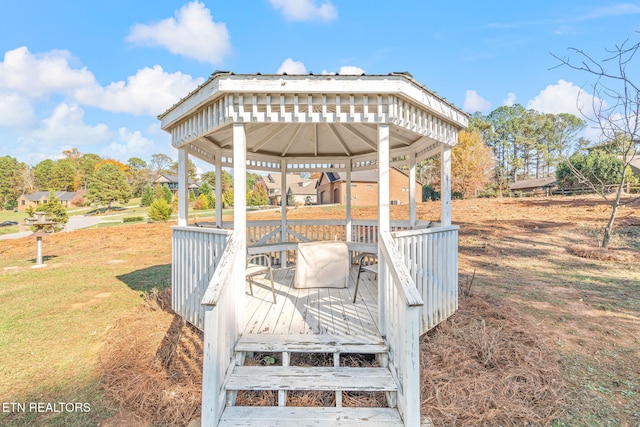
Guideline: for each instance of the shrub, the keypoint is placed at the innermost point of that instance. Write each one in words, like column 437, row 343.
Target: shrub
column 160, row 210
column 132, row 218
column 202, row 203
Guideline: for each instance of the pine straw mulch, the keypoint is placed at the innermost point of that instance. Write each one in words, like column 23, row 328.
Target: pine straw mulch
column 487, row 365
column 152, row 364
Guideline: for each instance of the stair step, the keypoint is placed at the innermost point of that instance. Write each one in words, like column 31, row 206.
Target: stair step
column 310, row 378
column 309, row 343
column 288, row 416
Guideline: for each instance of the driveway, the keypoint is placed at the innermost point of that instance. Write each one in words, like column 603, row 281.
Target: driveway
column 75, row 222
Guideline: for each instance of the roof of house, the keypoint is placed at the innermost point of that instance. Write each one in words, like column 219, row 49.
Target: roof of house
column 174, row 179
column 534, row 183
column 63, row 196
column 370, row 175
column 303, row 188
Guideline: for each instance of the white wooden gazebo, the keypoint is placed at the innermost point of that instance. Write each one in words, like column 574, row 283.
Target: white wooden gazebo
column 306, row 123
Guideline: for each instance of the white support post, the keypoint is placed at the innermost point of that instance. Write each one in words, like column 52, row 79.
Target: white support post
column 348, row 222
column 283, row 210
column 445, row 186
column 218, row 190
column 412, row 189
column 183, row 187
column 240, row 213
column 383, row 177
column 383, row 220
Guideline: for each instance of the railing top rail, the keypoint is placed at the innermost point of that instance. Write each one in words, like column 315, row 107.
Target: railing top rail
column 401, row 276
column 223, row 270
column 203, row 229
column 421, row 231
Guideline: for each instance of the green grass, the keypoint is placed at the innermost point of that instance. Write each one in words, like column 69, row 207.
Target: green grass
column 54, row 320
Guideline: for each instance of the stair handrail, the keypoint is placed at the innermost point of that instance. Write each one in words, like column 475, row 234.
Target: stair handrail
column 222, row 327
column 400, row 306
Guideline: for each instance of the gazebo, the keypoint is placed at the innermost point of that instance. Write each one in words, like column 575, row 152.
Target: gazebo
column 306, row 123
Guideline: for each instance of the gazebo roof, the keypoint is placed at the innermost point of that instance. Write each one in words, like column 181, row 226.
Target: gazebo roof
column 312, row 121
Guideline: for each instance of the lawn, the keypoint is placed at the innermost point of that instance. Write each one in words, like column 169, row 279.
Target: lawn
column 528, row 254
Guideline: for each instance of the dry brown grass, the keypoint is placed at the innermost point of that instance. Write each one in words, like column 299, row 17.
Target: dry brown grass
column 152, row 364
column 487, row 365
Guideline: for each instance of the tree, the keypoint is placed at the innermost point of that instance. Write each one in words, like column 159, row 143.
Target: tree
column 259, row 195
column 205, row 190
column 9, row 174
column 87, row 167
column 598, row 170
column 471, row 164
column 167, row 194
column 109, row 185
column 42, row 172
column 159, row 210
column 202, row 203
column 192, row 170
column 147, row 196
column 159, row 164
column 63, row 176
column 53, row 211
column 614, row 108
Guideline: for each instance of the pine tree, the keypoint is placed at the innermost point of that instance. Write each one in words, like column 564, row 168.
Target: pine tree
column 159, row 210
column 147, row 196
column 108, row 185
column 167, row 194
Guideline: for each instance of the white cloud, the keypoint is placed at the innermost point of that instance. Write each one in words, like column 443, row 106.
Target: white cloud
column 16, row 110
column 38, row 76
column 290, row 66
column 130, row 144
column 351, row 70
column 563, row 97
column 191, row 33
column 474, row 102
column 66, row 126
column 510, row 99
column 150, row 91
column 306, row 10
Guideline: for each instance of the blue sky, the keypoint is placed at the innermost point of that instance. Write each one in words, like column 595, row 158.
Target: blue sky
column 94, row 75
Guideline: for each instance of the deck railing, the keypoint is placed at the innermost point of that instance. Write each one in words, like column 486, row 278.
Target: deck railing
column 400, row 307
column 195, row 254
column 222, row 327
column 431, row 256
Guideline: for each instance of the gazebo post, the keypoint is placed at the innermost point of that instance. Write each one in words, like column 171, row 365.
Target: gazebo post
column 348, row 195
column 445, row 186
column 218, row 189
column 240, row 212
column 383, row 215
column 283, row 210
column 183, row 187
column 412, row 189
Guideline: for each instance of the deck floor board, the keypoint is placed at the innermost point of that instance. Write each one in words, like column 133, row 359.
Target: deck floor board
column 312, row 310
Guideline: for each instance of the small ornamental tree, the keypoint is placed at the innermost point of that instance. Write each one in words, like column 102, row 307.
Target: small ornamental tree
column 202, row 203
column 192, row 195
column 159, row 210
column 158, row 192
column 147, row 196
column 167, row 194
column 53, row 211
column 205, row 189
column 109, row 185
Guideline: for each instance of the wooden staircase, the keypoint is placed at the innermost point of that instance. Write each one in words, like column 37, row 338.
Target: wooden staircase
column 336, row 378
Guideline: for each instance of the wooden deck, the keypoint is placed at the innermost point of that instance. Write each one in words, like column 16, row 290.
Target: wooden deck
column 312, row 311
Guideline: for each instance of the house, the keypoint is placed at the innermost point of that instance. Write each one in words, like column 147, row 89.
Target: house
column 635, row 165
column 303, row 192
column 171, row 181
column 298, row 186
column 332, row 187
column 42, row 197
column 538, row 186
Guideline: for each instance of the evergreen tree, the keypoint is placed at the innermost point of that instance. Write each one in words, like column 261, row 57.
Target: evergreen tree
column 205, row 189
column 108, row 185
column 192, row 195
column 159, row 210
column 202, row 203
column 167, row 194
column 53, row 211
column 147, row 196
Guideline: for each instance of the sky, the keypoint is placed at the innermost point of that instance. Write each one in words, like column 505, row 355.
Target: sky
column 94, row 75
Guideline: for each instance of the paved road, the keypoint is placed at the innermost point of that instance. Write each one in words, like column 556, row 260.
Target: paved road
column 75, row 222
